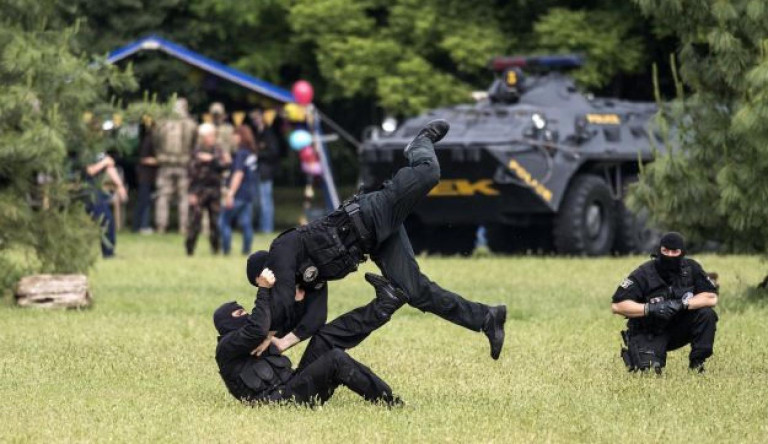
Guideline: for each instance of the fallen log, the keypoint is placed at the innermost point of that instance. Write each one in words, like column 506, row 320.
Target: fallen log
column 53, row 291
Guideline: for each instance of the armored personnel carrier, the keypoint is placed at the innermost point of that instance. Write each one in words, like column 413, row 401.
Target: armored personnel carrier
column 538, row 164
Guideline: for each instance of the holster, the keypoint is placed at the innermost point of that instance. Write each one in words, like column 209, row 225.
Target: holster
column 641, row 355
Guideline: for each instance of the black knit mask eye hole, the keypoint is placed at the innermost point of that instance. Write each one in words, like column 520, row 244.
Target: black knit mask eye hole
column 224, row 321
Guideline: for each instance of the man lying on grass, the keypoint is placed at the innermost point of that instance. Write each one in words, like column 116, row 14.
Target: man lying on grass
column 254, row 371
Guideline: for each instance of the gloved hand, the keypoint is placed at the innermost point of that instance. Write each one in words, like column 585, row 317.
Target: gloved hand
column 664, row 310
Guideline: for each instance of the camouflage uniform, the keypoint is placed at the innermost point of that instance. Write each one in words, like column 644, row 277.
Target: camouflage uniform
column 205, row 184
column 224, row 134
column 173, row 140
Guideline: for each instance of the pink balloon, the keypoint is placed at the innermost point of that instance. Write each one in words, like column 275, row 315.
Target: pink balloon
column 303, row 92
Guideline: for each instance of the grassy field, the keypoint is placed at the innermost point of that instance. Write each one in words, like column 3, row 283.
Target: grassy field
column 139, row 366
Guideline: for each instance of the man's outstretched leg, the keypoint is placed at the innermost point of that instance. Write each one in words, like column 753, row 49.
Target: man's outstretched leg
column 317, row 382
column 351, row 328
column 385, row 210
column 397, row 262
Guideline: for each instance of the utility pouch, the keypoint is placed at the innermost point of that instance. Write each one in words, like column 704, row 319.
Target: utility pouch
column 258, row 375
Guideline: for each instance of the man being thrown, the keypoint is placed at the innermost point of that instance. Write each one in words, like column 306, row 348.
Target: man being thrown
column 669, row 302
column 267, row 377
column 370, row 225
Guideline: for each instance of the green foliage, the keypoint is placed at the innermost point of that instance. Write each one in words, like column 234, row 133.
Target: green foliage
column 47, row 86
column 362, row 50
column 139, row 365
column 715, row 186
column 604, row 37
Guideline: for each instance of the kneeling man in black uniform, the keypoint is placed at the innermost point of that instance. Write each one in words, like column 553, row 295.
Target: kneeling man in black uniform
column 669, row 302
column 371, row 224
column 268, row 377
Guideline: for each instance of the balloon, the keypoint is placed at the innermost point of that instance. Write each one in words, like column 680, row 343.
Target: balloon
column 299, row 139
column 303, row 92
column 307, row 155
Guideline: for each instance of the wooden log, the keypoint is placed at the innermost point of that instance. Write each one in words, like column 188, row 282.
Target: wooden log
column 53, row 291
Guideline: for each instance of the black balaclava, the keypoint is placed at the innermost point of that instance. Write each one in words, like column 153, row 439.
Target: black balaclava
column 223, row 319
column 255, row 265
column 667, row 265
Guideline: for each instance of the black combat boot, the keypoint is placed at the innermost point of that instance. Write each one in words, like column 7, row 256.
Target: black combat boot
column 696, row 366
column 493, row 327
column 435, row 130
column 388, row 298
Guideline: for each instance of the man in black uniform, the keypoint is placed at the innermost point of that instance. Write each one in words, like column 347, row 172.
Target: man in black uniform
column 372, row 225
column 268, row 377
column 669, row 302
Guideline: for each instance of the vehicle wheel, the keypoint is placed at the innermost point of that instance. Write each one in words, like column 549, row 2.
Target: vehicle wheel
column 506, row 239
column 586, row 223
column 633, row 235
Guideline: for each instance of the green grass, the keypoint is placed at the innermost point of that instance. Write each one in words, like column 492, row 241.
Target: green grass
column 139, row 366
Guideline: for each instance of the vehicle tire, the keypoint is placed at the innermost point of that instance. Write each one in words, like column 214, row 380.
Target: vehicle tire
column 633, row 235
column 507, row 239
column 586, row 223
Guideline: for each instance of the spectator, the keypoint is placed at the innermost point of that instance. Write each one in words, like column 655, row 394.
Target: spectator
column 224, row 130
column 206, row 165
column 146, row 174
column 97, row 204
column 173, row 141
column 238, row 201
column 269, row 160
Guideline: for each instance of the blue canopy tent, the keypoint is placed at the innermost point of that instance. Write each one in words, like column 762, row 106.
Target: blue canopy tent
column 249, row 82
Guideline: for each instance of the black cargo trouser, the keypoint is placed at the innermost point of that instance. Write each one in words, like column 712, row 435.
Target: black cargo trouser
column 325, row 365
column 208, row 199
column 384, row 212
column 695, row 327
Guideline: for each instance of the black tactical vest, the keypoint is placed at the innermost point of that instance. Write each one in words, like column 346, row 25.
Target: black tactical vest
column 265, row 375
column 332, row 248
column 659, row 290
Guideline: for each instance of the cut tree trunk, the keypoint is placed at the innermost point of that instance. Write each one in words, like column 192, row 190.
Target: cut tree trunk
column 53, row 291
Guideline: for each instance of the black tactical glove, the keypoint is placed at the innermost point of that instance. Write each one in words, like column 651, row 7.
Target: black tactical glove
column 664, row 310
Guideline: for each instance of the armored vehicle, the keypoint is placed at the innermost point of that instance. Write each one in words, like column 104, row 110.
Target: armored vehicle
column 536, row 163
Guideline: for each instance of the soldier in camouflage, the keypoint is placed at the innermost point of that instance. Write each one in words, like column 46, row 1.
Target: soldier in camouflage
column 173, row 140
column 205, row 172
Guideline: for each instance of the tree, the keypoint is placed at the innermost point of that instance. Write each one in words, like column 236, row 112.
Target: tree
column 48, row 84
column 714, row 187
column 400, row 56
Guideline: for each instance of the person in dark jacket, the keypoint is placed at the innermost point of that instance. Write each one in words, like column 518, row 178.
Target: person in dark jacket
column 372, row 225
column 269, row 161
column 146, row 174
column 669, row 302
column 255, row 372
column 241, row 184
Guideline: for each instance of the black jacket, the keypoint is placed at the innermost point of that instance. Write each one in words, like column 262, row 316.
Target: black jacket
column 250, row 378
column 645, row 285
column 304, row 318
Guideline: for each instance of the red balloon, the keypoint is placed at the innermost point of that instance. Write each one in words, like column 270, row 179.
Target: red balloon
column 303, row 92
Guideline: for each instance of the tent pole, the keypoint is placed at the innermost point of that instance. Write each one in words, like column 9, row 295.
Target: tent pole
column 332, row 195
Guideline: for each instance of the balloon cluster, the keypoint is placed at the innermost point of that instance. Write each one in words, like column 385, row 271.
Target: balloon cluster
column 300, row 139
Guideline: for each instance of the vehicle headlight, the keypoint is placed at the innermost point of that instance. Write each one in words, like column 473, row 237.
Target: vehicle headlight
column 389, row 124
column 539, row 122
